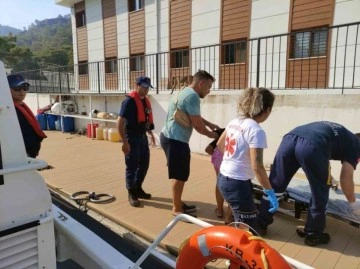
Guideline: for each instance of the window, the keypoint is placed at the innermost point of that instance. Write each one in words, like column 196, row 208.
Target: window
column 110, row 65
column 83, row 68
column 234, row 52
column 80, row 19
column 137, row 63
column 180, row 59
column 135, row 5
column 309, row 44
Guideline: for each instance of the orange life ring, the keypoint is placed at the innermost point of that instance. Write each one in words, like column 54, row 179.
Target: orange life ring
column 225, row 242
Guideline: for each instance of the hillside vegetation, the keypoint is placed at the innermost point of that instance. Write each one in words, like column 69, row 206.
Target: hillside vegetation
column 44, row 44
column 6, row 30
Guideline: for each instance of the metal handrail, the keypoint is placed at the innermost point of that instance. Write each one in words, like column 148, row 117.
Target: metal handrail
column 31, row 165
column 187, row 218
column 267, row 57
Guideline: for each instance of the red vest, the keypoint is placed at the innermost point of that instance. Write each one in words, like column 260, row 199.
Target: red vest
column 144, row 115
column 26, row 111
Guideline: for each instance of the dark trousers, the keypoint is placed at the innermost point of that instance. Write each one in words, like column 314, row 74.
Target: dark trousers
column 238, row 194
column 295, row 152
column 137, row 161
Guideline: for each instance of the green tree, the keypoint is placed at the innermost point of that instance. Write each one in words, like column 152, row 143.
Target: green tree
column 23, row 59
column 59, row 57
column 49, row 40
column 6, row 44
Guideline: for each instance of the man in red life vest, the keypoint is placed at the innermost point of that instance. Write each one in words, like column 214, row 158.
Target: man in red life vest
column 30, row 128
column 134, row 121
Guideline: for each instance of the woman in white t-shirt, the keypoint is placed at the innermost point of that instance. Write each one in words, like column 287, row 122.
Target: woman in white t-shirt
column 243, row 142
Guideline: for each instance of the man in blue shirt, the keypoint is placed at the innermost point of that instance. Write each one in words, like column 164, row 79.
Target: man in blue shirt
column 134, row 121
column 174, row 137
column 311, row 147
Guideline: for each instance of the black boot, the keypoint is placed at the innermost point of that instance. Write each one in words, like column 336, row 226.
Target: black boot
column 133, row 198
column 313, row 239
column 262, row 229
column 316, row 239
column 142, row 194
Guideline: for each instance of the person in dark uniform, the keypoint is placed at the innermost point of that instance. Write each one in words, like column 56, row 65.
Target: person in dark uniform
column 30, row 128
column 134, row 121
column 311, row 147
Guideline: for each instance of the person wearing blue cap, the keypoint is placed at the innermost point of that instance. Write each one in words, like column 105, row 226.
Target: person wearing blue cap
column 30, row 128
column 134, row 121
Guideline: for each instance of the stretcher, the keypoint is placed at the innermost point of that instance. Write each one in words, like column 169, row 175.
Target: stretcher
column 298, row 193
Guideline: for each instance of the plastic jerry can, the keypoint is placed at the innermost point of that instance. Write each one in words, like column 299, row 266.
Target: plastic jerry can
column 105, row 134
column 58, row 123
column 100, row 133
column 114, row 135
column 91, row 132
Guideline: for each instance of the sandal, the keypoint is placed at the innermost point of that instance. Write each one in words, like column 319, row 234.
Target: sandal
column 229, row 221
column 188, row 208
column 220, row 216
column 183, row 220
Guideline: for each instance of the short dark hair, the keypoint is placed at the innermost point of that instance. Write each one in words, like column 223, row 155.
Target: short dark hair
column 203, row 75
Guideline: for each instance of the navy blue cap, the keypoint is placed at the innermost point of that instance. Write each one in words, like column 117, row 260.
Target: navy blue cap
column 144, row 82
column 16, row 81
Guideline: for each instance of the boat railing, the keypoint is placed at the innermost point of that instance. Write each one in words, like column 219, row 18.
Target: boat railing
column 187, row 218
column 32, row 164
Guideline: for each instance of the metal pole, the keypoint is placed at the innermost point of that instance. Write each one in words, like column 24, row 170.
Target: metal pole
column 157, row 73
column 59, row 77
column 98, row 75
column 258, row 63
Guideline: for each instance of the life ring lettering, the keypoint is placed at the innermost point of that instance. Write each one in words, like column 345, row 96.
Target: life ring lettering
column 239, row 253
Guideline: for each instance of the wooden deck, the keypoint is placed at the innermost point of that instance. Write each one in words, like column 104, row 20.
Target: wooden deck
column 92, row 165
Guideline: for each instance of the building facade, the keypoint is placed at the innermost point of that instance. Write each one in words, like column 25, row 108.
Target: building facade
column 280, row 44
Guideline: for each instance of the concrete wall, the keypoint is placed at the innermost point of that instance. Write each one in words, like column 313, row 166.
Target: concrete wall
column 122, row 28
column 290, row 110
column 206, row 23
column 267, row 20
column 122, row 20
column 345, row 46
column 151, row 29
column 74, row 38
column 95, row 30
column 95, row 34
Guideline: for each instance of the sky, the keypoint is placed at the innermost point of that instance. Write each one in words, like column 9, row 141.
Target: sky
column 21, row 13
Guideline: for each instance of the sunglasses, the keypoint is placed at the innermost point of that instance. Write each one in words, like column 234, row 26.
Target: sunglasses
column 18, row 89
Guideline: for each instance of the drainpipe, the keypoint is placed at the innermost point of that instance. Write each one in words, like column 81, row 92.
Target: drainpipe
column 158, row 10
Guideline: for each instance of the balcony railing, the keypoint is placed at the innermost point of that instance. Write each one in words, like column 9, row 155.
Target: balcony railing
column 321, row 58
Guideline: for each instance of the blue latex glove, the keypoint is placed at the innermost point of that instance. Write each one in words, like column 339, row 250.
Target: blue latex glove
column 272, row 199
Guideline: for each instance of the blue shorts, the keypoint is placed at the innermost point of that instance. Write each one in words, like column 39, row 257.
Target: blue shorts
column 178, row 158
